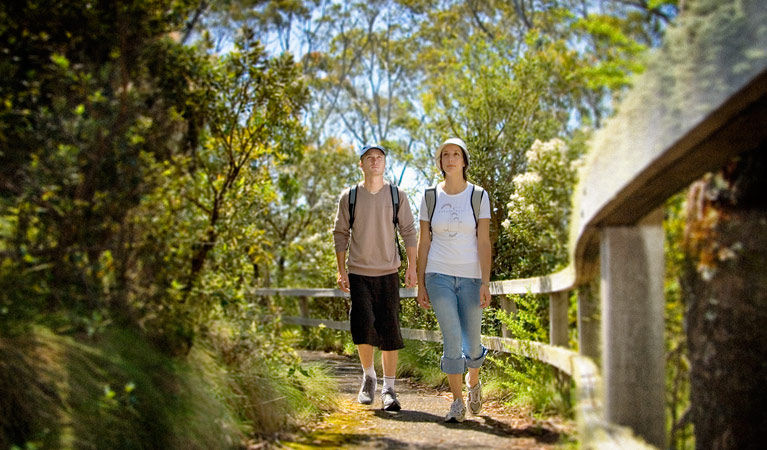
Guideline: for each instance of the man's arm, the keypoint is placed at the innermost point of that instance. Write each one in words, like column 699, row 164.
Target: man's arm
column 411, row 277
column 343, row 276
column 341, row 236
column 424, row 243
column 409, row 235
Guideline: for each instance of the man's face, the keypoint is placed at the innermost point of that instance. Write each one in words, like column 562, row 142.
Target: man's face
column 373, row 162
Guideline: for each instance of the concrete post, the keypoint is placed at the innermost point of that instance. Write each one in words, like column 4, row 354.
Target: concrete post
column 588, row 322
column 632, row 267
column 558, row 319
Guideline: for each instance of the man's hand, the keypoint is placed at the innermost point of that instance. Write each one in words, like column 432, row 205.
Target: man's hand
column 411, row 277
column 343, row 281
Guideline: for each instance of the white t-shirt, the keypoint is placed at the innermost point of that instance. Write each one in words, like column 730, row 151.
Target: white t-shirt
column 453, row 248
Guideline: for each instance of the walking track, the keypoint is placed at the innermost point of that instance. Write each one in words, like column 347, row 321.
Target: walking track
column 419, row 425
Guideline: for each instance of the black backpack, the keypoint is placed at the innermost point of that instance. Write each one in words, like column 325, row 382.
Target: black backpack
column 395, row 207
column 430, row 195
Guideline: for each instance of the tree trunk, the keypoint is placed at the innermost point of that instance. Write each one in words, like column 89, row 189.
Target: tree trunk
column 725, row 289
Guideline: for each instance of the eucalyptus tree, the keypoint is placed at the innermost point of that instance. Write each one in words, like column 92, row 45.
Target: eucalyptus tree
column 298, row 225
column 354, row 58
column 211, row 206
column 502, row 74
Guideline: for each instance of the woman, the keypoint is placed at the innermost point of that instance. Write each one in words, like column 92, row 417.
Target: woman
column 454, row 268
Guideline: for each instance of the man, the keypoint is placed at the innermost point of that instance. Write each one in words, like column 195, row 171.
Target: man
column 372, row 276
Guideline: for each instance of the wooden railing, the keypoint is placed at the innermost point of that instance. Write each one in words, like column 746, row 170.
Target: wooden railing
column 702, row 101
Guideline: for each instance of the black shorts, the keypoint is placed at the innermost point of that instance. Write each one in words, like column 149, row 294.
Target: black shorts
column 374, row 317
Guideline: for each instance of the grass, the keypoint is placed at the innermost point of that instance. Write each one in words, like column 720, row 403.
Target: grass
column 114, row 392
column 117, row 391
column 514, row 381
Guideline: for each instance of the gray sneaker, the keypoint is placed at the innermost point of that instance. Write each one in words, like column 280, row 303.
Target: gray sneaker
column 367, row 391
column 389, row 400
column 475, row 396
column 457, row 411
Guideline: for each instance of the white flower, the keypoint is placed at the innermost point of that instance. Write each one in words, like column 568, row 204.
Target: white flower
column 526, row 178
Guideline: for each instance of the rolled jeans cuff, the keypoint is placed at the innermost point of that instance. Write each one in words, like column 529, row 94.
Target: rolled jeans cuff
column 476, row 363
column 452, row 366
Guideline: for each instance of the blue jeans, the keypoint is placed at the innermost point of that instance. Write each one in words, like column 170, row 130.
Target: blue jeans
column 455, row 301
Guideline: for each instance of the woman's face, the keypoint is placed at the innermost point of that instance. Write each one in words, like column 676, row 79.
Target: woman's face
column 451, row 159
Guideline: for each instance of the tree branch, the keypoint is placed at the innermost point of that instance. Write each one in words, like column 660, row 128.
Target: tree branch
column 193, row 22
column 519, row 8
column 475, row 14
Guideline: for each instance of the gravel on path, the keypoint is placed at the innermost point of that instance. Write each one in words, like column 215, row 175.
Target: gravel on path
column 420, row 425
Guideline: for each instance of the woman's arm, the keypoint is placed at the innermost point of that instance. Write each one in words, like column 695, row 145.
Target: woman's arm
column 424, row 244
column 485, row 260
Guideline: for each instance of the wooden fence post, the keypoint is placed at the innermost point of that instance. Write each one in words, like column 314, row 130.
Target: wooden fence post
column 588, row 321
column 511, row 308
column 632, row 267
column 558, row 335
column 303, row 308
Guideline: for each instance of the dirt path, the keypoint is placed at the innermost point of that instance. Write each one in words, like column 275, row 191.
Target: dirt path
column 420, row 423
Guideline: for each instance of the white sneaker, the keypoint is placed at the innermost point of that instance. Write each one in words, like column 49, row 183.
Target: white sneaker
column 457, row 411
column 389, row 400
column 475, row 396
column 367, row 390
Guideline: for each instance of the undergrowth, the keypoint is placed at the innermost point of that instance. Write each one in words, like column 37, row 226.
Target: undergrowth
column 116, row 391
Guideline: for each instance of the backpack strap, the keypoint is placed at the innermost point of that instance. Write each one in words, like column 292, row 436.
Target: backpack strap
column 352, row 205
column 476, row 201
column 430, row 196
column 395, row 219
column 395, row 203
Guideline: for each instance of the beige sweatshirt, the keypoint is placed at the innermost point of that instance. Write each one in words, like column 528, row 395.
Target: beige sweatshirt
column 372, row 251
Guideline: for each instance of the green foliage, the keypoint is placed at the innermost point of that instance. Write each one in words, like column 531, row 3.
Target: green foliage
column 534, row 237
column 413, row 316
column 677, row 362
column 522, row 381
column 134, row 176
column 120, row 392
column 421, row 361
column 206, row 207
column 83, row 99
column 530, row 385
column 299, row 222
column 268, row 396
column 116, row 392
column 149, row 185
column 324, row 339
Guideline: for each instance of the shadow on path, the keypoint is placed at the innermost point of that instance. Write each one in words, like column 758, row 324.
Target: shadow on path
column 420, row 424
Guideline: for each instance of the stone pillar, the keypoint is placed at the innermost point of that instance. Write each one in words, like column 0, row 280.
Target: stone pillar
column 632, row 266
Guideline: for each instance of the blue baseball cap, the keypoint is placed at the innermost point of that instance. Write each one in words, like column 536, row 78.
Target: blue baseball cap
column 371, row 147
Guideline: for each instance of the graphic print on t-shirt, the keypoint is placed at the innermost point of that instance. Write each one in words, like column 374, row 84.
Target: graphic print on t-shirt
column 454, row 219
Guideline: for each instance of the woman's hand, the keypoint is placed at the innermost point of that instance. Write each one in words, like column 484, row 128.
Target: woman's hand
column 423, row 298
column 484, row 296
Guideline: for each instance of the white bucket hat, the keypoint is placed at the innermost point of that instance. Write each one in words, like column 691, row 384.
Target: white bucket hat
column 457, row 141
